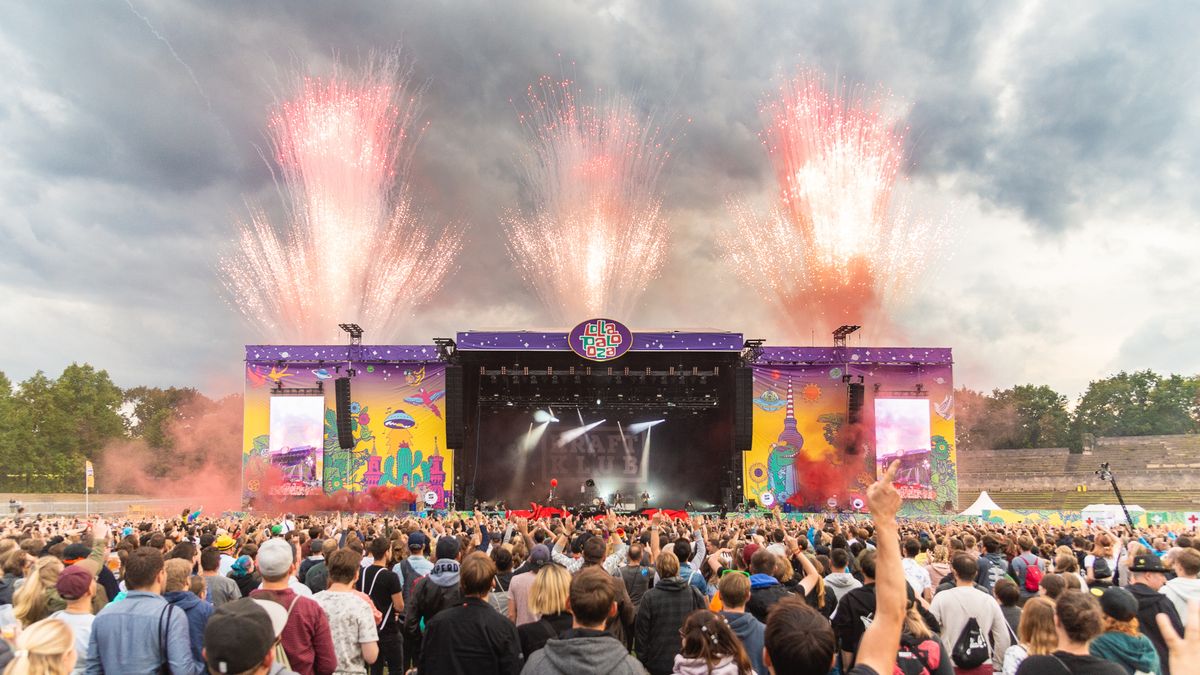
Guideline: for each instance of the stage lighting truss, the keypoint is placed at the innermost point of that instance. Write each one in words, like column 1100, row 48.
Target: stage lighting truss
column 677, row 388
column 280, row 390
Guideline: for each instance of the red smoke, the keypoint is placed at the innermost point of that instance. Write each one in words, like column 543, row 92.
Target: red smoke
column 202, row 468
column 819, row 480
column 272, row 498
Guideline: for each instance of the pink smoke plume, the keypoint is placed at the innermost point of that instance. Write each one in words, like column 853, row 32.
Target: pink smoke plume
column 202, row 468
column 840, row 241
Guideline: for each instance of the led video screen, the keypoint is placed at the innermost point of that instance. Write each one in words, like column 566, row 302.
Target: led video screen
column 902, row 431
column 297, row 442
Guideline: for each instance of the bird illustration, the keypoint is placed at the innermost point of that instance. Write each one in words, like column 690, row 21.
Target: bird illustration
column 427, row 399
column 277, row 375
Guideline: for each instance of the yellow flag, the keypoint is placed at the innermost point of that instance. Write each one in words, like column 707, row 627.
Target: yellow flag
column 91, row 475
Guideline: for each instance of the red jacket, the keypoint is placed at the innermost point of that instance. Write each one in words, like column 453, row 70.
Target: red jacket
column 306, row 638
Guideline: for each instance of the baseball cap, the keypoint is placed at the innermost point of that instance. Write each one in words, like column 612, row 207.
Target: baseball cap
column 75, row 552
column 1100, row 569
column 1119, row 604
column 417, row 540
column 539, row 555
column 240, row 634
column 1147, row 563
column 447, row 548
column 224, row 543
column 274, row 558
column 276, row 529
column 778, row 549
column 73, row 582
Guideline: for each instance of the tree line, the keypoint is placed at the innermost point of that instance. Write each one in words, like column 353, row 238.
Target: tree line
column 49, row 427
column 1141, row 403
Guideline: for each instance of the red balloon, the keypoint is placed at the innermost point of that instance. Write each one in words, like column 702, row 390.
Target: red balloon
column 553, row 482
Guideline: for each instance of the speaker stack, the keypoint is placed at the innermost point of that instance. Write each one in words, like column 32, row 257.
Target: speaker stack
column 341, row 388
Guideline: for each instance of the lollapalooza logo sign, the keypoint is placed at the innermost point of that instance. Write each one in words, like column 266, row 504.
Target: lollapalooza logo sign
column 600, row 339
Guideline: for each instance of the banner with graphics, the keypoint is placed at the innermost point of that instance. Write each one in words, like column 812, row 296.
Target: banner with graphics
column 397, row 422
column 807, row 454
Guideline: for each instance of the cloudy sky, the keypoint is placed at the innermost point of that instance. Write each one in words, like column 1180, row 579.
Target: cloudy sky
column 1061, row 138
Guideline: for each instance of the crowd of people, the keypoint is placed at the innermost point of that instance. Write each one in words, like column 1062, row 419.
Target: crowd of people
column 476, row 594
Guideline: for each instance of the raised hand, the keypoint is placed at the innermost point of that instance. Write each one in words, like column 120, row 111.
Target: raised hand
column 882, row 496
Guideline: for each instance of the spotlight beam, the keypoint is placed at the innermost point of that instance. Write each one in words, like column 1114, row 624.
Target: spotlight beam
column 572, row 434
column 639, row 427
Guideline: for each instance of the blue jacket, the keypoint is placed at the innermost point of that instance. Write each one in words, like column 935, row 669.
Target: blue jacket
column 198, row 612
column 126, row 639
column 750, row 631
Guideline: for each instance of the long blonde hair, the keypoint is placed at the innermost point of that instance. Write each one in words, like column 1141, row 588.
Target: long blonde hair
column 914, row 623
column 30, row 602
column 41, row 649
column 1036, row 630
column 551, row 588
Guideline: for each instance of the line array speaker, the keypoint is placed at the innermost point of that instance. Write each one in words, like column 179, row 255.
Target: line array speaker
column 341, row 387
column 743, row 408
column 456, row 429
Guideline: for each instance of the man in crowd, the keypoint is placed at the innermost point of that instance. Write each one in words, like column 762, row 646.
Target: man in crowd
column 734, row 590
column 383, row 587
column 661, row 615
column 856, row 610
column 76, row 586
column 351, row 622
column 226, row 544
column 1185, row 586
column 471, row 638
column 765, row 589
column 433, row 593
column 241, row 637
column 142, row 633
column 1148, row 576
column 219, row 589
column 306, row 638
column 175, row 591
column 586, row 647
column 992, row 565
column 916, row 574
column 621, row 625
column 637, row 577
column 965, row 608
column 316, row 579
column 840, row 580
column 1021, row 565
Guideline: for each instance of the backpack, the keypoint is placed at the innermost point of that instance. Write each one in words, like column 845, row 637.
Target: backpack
column 408, row 579
column 498, row 598
column 971, row 648
column 917, row 657
column 1033, row 574
column 994, row 573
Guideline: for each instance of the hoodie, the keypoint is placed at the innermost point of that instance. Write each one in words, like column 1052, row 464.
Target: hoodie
column 582, row 651
column 445, row 573
column 430, row 595
column 841, row 583
column 198, row 612
column 1150, row 604
column 1136, row 654
column 750, row 631
column 1179, row 590
column 765, row 591
column 686, row 666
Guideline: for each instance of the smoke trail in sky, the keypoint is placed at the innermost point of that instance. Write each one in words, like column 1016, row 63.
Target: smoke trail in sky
column 354, row 246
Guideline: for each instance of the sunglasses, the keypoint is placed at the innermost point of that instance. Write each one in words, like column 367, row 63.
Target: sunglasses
column 742, row 572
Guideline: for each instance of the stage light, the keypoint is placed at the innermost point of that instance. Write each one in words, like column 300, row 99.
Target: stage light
column 643, row 426
column 597, row 401
column 544, row 417
column 568, row 436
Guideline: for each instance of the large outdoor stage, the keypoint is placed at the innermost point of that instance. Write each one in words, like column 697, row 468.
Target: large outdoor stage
column 657, row 417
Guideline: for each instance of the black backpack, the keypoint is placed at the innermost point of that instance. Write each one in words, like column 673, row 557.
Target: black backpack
column 971, row 648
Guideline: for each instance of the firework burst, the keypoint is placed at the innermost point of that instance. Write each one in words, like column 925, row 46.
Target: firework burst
column 838, row 242
column 594, row 237
column 353, row 246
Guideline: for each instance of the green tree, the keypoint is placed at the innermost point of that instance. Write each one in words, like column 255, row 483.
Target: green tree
column 90, row 406
column 1138, row 404
column 39, row 460
column 1031, row 416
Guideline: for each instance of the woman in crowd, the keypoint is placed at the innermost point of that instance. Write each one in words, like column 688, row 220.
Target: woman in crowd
column 1122, row 642
column 939, row 565
column 45, row 648
column 37, row 597
column 548, row 598
column 919, row 646
column 709, row 647
column 1035, row 634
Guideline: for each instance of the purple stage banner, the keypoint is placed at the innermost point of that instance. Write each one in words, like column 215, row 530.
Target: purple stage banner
column 666, row 341
column 600, row 339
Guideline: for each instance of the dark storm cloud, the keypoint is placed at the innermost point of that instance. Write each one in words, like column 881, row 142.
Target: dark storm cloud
column 121, row 178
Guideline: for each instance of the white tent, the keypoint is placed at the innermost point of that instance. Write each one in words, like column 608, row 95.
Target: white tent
column 982, row 503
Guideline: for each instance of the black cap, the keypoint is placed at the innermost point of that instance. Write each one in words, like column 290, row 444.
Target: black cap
column 238, row 636
column 1119, row 604
column 1146, row 563
column 1100, row 569
column 75, row 552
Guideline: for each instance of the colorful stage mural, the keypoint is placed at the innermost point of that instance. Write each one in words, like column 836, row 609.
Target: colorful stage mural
column 807, row 455
column 397, row 421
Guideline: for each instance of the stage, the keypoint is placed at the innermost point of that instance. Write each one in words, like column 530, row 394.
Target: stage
column 705, row 417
